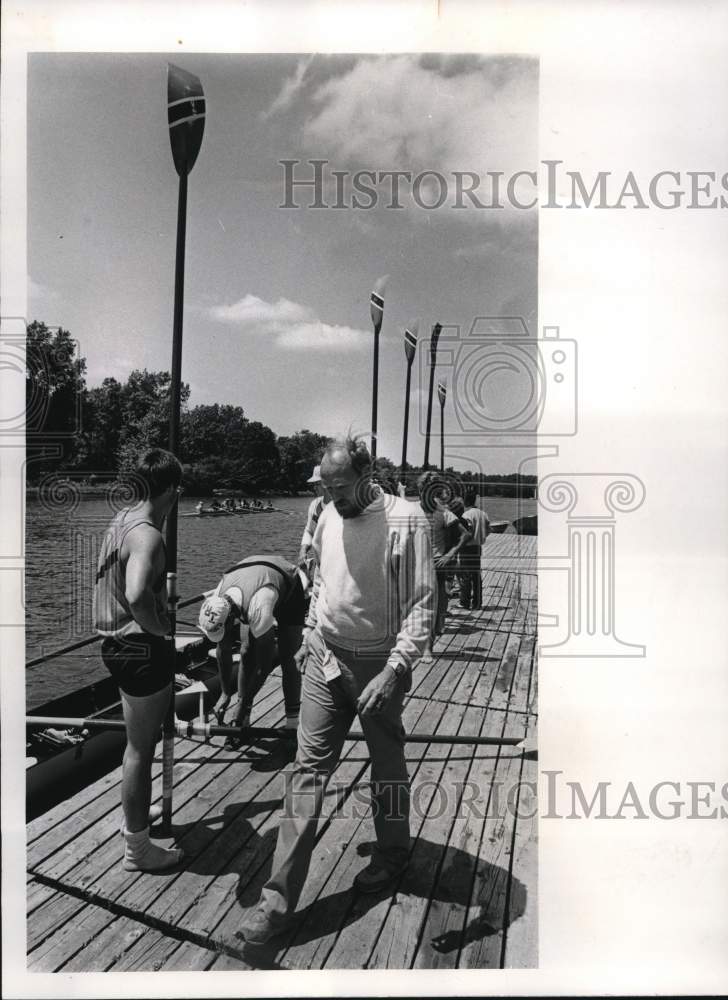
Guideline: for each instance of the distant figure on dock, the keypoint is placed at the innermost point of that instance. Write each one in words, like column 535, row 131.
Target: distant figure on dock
column 257, row 594
column 369, row 620
column 434, row 493
column 199, row 506
column 315, row 509
column 469, row 571
column 130, row 611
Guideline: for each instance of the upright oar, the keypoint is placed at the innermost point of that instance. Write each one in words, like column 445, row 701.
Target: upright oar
column 442, row 396
column 376, row 310
column 186, row 116
column 433, row 361
column 410, row 349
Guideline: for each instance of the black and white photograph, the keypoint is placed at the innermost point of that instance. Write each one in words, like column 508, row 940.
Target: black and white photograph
column 280, row 577
column 361, row 446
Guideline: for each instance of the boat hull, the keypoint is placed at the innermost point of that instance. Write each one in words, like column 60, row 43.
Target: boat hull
column 54, row 773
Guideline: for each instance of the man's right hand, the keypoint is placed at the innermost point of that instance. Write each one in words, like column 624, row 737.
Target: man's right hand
column 301, row 655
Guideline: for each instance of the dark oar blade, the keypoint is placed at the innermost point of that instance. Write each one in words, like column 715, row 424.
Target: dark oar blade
column 376, row 303
column 186, row 116
column 410, row 342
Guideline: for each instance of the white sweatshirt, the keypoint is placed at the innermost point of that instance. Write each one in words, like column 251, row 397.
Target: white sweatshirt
column 375, row 582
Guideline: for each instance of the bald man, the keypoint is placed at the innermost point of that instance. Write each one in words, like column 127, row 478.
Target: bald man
column 368, row 624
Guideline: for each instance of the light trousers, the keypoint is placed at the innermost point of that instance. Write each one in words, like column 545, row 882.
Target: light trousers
column 327, row 711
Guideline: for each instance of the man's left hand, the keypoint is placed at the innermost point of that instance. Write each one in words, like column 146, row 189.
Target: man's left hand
column 375, row 696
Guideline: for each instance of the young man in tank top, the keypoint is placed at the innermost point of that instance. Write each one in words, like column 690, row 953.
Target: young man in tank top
column 130, row 612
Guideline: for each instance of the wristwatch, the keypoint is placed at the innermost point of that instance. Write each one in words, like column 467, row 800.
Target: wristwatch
column 398, row 667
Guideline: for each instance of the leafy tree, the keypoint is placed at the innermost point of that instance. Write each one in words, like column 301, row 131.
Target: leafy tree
column 54, row 389
column 145, row 400
column 103, row 419
column 209, row 430
column 299, row 453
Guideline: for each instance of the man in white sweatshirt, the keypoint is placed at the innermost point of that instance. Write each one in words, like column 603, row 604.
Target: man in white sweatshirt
column 368, row 624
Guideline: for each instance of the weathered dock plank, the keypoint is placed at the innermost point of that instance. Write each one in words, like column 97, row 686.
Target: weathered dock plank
column 398, row 940
column 339, row 907
column 339, row 824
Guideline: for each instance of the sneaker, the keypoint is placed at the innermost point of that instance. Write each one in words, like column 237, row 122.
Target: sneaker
column 259, row 926
column 377, row 876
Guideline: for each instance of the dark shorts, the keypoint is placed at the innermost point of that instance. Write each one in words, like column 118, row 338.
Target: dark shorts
column 141, row 665
column 294, row 609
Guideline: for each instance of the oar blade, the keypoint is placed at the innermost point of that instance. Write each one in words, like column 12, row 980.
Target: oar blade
column 410, row 341
column 376, row 302
column 186, row 117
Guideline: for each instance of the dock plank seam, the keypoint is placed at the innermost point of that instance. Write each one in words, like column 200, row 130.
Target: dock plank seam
column 177, row 934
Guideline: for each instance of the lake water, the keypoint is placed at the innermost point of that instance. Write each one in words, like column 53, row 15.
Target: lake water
column 61, row 548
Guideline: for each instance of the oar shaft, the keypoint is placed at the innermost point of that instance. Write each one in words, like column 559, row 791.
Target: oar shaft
column 375, row 391
column 405, row 429
column 263, row 732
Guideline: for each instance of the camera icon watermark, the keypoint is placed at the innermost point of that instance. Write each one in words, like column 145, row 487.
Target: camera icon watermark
column 505, row 382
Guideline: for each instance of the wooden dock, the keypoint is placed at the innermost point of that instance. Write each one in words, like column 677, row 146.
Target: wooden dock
column 467, row 900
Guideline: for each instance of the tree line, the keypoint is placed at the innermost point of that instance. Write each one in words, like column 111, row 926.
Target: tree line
column 101, row 431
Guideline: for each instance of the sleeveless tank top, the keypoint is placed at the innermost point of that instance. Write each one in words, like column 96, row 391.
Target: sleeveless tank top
column 255, row 572
column 111, row 612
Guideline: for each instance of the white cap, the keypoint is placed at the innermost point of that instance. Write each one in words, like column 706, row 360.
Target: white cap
column 213, row 616
column 315, row 475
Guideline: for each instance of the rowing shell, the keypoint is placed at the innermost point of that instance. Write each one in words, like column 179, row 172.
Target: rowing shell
column 233, row 513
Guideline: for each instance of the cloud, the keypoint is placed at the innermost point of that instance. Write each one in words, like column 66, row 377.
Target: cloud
column 412, row 113
column 292, row 326
column 291, row 86
column 402, row 112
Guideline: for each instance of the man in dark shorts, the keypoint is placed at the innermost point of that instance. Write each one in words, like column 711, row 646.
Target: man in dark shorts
column 265, row 598
column 129, row 609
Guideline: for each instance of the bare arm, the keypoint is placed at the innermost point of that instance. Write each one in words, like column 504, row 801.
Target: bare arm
column 224, row 656
column 144, row 564
column 265, row 650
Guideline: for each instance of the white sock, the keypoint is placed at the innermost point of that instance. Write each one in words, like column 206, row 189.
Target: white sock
column 155, row 813
column 141, row 855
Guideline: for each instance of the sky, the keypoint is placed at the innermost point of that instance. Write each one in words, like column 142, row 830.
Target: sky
column 277, row 300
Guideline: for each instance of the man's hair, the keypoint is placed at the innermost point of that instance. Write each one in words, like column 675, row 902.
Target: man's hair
column 470, row 497
column 355, row 447
column 428, row 481
column 158, row 469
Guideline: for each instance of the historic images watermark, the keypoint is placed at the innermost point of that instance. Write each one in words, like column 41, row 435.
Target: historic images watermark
column 317, row 184
column 560, row 798
column 541, row 407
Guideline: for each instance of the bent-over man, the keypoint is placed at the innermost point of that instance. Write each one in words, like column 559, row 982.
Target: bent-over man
column 261, row 595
